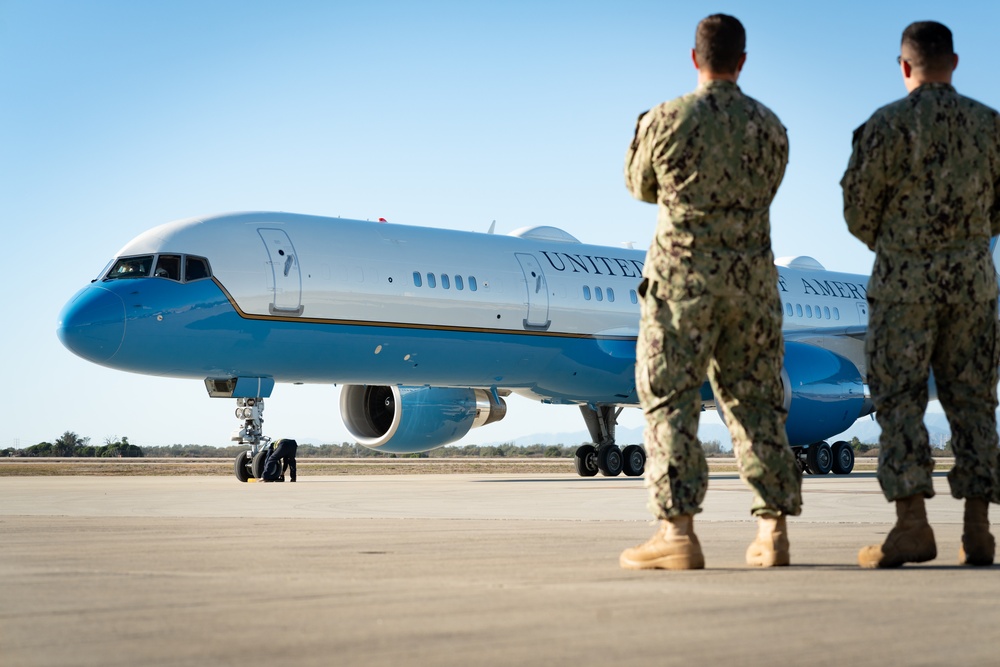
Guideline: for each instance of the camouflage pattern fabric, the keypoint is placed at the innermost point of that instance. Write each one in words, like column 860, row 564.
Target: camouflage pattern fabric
column 922, row 189
column 713, row 161
column 960, row 342
column 738, row 344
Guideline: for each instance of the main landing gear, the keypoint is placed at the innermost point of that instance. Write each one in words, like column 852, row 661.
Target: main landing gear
column 605, row 456
column 251, row 462
column 820, row 458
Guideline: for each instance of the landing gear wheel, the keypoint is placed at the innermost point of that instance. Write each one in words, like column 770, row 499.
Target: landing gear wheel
column 240, row 467
column 634, row 461
column 258, row 462
column 843, row 458
column 819, row 458
column 609, row 460
column 585, row 461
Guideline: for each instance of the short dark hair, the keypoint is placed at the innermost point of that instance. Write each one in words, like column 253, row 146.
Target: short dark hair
column 719, row 42
column 930, row 46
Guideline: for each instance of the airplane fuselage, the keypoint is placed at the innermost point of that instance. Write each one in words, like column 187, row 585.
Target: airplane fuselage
column 320, row 300
column 426, row 328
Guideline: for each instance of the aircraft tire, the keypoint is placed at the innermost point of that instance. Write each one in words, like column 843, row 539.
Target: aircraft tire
column 819, row 458
column 634, row 461
column 610, row 460
column 240, row 467
column 258, row 463
column 843, row 458
column 585, row 461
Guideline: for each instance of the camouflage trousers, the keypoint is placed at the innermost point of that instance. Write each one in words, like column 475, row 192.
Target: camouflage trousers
column 737, row 342
column 959, row 343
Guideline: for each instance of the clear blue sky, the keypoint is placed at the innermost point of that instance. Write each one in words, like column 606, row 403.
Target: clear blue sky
column 120, row 115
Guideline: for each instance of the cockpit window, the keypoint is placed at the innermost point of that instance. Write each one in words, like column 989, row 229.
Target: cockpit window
column 131, row 267
column 169, row 267
column 196, row 268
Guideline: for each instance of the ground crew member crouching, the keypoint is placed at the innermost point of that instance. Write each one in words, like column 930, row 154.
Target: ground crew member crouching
column 713, row 160
column 281, row 458
column 922, row 190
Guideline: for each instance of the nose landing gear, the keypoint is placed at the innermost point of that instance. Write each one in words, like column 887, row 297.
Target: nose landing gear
column 250, row 464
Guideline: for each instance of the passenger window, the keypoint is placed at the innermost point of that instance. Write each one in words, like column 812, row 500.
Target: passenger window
column 458, row 283
column 798, row 309
column 195, row 268
column 445, row 283
column 472, row 284
column 836, row 313
column 611, row 295
column 131, row 267
column 788, row 309
column 633, row 296
column 586, row 292
column 430, row 280
column 416, row 279
column 598, row 294
column 826, row 312
column 809, row 311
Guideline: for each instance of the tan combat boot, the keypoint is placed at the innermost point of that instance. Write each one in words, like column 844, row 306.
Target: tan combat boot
column 911, row 540
column 673, row 547
column 978, row 545
column 770, row 549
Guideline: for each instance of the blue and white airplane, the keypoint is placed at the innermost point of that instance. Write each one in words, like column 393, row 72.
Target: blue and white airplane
column 428, row 329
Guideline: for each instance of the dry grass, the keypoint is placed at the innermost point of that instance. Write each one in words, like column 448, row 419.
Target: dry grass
column 21, row 467
column 15, row 467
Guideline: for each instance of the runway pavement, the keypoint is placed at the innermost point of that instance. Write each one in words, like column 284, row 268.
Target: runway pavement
column 463, row 570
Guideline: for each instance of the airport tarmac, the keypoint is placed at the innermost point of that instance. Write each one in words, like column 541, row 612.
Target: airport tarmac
column 463, row 570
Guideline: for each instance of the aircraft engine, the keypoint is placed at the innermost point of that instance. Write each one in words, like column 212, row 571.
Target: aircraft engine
column 824, row 393
column 405, row 420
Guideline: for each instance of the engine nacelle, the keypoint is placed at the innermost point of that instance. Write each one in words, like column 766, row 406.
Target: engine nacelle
column 406, row 420
column 824, row 393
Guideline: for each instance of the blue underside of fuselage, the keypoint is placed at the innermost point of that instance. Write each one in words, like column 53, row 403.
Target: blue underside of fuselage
column 193, row 331
column 159, row 327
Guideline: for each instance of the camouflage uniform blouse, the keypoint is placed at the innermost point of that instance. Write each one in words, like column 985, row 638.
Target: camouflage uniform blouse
column 712, row 160
column 922, row 189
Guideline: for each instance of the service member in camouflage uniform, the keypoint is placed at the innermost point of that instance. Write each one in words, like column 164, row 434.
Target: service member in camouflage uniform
column 922, row 190
column 712, row 160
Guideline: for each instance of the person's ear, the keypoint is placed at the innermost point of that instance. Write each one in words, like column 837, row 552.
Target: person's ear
column 694, row 59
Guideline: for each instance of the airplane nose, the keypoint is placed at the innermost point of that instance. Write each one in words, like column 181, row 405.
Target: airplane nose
column 92, row 324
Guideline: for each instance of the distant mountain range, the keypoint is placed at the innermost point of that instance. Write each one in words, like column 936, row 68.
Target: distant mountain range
column 866, row 430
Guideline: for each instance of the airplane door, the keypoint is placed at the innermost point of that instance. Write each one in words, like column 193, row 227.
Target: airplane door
column 284, row 277
column 538, row 292
column 863, row 312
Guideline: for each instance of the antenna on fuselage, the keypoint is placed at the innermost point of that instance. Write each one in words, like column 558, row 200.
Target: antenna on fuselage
column 493, row 225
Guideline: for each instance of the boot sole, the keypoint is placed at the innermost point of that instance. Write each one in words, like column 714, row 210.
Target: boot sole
column 871, row 563
column 664, row 563
column 778, row 560
column 977, row 560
